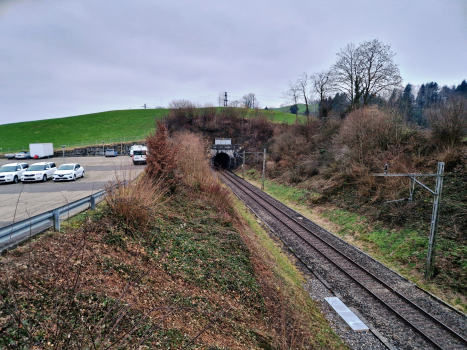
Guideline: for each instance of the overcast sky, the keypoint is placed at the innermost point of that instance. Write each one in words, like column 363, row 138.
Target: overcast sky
column 61, row 58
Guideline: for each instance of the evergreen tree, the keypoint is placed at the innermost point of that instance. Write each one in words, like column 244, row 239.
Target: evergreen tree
column 294, row 109
column 421, row 97
column 462, row 89
column 431, row 91
column 406, row 102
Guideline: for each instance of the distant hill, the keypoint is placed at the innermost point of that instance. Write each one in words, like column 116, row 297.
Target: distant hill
column 92, row 129
column 88, row 129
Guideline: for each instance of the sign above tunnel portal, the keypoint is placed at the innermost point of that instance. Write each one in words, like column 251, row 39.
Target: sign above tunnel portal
column 223, row 141
column 224, row 155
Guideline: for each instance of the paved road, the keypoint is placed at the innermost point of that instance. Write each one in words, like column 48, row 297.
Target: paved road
column 20, row 201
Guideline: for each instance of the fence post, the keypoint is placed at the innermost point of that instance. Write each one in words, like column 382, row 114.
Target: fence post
column 93, row 203
column 56, row 220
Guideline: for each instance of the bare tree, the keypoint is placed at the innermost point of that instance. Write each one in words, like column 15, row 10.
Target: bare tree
column 176, row 104
column 303, row 84
column 365, row 71
column 250, row 100
column 347, row 72
column 322, row 85
column 379, row 72
column 292, row 95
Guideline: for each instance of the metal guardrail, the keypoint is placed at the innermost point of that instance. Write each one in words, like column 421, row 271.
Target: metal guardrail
column 15, row 233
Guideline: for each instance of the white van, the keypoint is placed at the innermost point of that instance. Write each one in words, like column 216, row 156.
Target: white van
column 132, row 148
column 140, row 155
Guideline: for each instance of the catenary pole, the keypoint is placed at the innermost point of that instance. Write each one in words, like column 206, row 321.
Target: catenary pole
column 430, row 262
column 264, row 168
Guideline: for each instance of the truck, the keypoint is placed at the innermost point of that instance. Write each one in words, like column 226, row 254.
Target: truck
column 41, row 150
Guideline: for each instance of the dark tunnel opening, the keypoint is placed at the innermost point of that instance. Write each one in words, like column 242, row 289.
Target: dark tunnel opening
column 222, row 161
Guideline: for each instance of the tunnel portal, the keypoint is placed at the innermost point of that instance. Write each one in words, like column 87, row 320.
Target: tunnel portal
column 222, row 161
column 224, row 155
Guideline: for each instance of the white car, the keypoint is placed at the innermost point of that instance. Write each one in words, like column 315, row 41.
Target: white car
column 39, row 172
column 22, row 155
column 68, row 172
column 12, row 172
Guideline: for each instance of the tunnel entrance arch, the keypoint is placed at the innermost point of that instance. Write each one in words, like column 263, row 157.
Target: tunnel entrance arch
column 224, row 155
column 222, row 160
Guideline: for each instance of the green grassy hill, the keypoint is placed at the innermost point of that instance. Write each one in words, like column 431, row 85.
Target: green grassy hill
column 301, row 108
column 92, row 129
column 88, row 129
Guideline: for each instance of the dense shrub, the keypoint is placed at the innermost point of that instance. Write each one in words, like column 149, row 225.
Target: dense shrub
column 368, row 131
column 162, row 157
column 449, row 122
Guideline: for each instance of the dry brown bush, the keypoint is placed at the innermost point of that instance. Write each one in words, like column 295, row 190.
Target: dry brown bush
column 193, row 165
column 133, row 204
column 367, row 132
column 449, row 122
column 162, row 157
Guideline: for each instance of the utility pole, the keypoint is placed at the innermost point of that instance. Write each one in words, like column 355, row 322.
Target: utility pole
column 430, row 261
column 144, row 106
column 243, row 165
column 225, row 100
column 264, row 168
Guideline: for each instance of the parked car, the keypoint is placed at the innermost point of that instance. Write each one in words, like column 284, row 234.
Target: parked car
column 140, row 155
column 9, row 155
column 39, row 172
column 132, row 148
column 22, row 155
column 68, row 172
column 110, row 152
column 12, row 172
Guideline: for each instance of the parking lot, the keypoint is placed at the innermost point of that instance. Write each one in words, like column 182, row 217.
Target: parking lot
column 22, row 200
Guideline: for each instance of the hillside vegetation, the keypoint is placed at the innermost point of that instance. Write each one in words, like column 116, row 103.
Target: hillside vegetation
column 329, row 162
column 170, row 261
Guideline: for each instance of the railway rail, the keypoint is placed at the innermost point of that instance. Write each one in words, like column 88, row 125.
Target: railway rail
column 362, row 278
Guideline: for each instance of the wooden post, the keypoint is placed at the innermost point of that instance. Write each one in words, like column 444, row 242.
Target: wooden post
column 430, row 262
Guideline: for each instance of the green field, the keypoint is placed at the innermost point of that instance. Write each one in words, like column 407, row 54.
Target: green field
column 88, row 129
column 301, row 108
column 92, row 129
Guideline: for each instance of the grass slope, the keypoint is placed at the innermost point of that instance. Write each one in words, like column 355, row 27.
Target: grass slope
column 87, row 129
column 301, row 108
column 91, row 129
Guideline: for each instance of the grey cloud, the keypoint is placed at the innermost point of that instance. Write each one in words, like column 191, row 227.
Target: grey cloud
column 61, row 58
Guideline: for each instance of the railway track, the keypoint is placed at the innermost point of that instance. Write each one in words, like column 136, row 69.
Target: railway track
column 414, row 325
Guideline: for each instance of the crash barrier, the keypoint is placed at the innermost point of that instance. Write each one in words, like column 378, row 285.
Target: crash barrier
column 17, row 232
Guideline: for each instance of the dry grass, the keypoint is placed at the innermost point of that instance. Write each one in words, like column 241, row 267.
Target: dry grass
column 193, row 163
column 133, row 204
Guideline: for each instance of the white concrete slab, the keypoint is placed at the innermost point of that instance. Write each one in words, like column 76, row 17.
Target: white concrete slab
column 347, row 315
